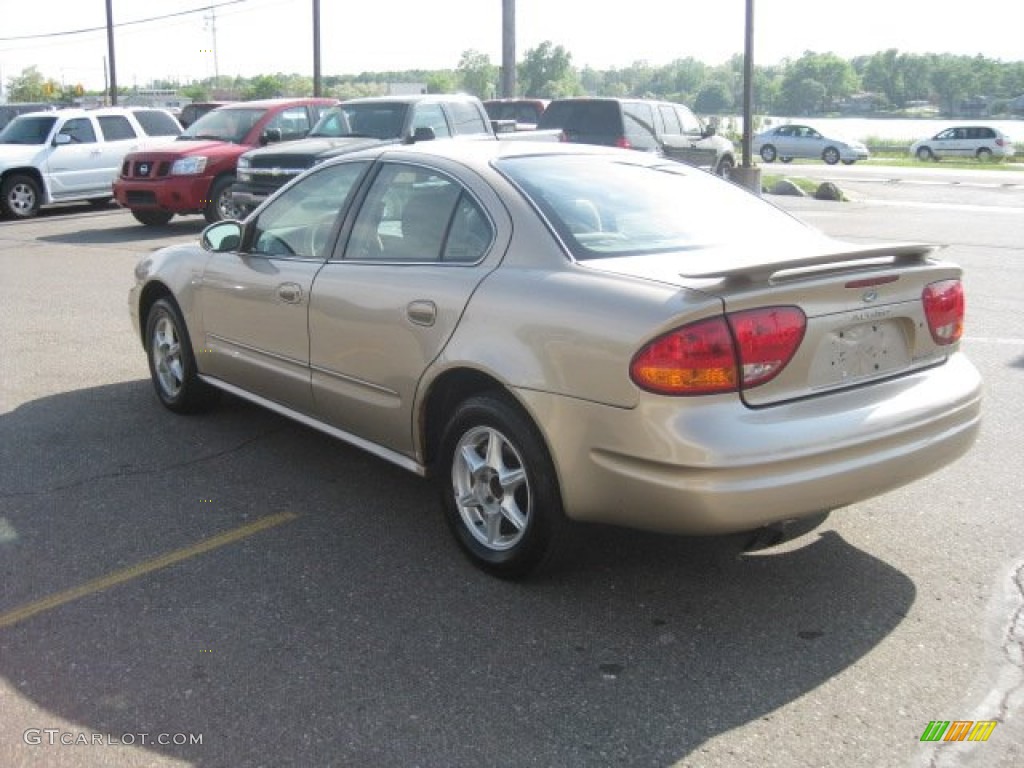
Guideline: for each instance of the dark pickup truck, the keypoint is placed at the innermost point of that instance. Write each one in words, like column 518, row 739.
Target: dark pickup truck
column 357, row 124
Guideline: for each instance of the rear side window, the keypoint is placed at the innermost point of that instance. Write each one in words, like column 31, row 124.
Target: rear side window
column 467, row 118
column 115, row 127
column 638, row 119
column 157, row 123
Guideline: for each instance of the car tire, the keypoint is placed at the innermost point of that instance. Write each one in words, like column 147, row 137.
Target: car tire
column 768, row 153
column 830, row 155
column 849, row 162
column 172, row 363
column 499, row 490
column 924, row 154
column 221, row 204
column 725, row 166
column 984, row 155
column 152, row 218
column 20, row 197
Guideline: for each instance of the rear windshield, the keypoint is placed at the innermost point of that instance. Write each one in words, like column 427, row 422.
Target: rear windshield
column 604, row 207
column 583, row 117
column 27, row 130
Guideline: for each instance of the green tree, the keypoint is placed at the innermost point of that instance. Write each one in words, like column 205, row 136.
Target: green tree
column 835, row 76
column 476, row 74
column 441, row 82
column 952, row 80
column 263, row 87
column 713, row 98
column 547, row 72
column 28, row 86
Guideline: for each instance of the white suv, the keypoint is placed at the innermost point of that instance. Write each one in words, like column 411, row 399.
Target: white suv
column 978, row 141
column 70, row 155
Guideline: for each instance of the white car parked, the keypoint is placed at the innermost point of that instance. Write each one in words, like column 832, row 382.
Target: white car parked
column 975, row 141
column 69, row 155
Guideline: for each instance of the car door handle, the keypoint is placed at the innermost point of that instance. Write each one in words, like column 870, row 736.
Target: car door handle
column 291, row 293
column 421, row 312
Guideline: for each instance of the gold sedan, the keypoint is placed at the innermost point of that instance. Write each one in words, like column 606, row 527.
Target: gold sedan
column 562, row 332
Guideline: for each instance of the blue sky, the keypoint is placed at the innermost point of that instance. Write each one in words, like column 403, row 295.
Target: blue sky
column 266, row 36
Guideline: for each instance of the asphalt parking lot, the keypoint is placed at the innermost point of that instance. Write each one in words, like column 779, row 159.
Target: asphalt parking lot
column 235, row 590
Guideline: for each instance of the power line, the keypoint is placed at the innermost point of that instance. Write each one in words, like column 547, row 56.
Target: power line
column 121, row 24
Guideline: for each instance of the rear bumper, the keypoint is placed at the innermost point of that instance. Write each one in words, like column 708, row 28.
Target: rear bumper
column 681, row 466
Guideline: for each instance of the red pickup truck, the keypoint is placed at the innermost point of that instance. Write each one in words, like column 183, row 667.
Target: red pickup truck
column 195, row 173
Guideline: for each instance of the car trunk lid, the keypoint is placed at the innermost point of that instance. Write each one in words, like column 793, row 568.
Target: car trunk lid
column 865, row 316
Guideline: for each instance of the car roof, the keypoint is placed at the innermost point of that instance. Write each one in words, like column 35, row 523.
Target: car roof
column 480, row 153
column 410, row 98
column 269, row 103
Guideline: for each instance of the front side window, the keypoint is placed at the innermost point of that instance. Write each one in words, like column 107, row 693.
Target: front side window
column 430, row 116
column 115, row 128
column 413, row 214
column 228, row 124
column 80, row 130
column 293, row 123
column 300, row 221
column 689, row 120
column 467, row 118
column 157, row 123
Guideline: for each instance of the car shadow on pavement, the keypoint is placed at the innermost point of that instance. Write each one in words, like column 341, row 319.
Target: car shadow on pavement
column 190, row 228
column 354, row 633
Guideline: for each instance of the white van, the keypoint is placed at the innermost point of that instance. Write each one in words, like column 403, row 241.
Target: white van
column 973, row 141
column 68, row 155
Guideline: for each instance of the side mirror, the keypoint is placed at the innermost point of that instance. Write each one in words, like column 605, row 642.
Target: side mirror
column 222, row 237
column 270, row 135
column 60, row 139
column 710, row 131
column 423, row 133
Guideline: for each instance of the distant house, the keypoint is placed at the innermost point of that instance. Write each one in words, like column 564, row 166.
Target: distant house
column 406, row 89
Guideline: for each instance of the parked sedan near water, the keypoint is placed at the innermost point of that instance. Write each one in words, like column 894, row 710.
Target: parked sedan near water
column 971, row 141
column 563, row 332
column 786, row 142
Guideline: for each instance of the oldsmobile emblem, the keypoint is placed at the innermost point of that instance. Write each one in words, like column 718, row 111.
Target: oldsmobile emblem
column 869, row 296
column 144, row 169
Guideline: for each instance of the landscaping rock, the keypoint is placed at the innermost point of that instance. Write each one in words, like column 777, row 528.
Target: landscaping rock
column 787, row 187
column 828, row 191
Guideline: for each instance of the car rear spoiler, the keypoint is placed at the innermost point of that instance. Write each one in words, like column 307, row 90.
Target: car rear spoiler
column 745, row 270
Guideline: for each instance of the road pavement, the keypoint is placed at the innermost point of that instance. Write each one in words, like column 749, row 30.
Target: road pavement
column 288, row 600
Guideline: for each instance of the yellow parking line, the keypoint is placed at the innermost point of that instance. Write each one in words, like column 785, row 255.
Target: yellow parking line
column 133, row 572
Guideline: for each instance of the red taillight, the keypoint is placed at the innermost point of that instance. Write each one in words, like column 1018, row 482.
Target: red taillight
column 999, row 142
column 721, row 354
column 767, row 339
column 623, row 143
column 944, row 307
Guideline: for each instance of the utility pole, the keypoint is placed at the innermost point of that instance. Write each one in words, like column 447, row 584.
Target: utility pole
column 317, row 86
column 747, row 174
column 212, row 18
column 508, row 48
column 110, row 53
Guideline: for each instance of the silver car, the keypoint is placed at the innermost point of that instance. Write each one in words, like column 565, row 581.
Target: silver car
column 786, row 142
column 562, row 332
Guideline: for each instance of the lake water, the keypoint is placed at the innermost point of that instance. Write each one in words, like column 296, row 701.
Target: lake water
column 896, row 130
